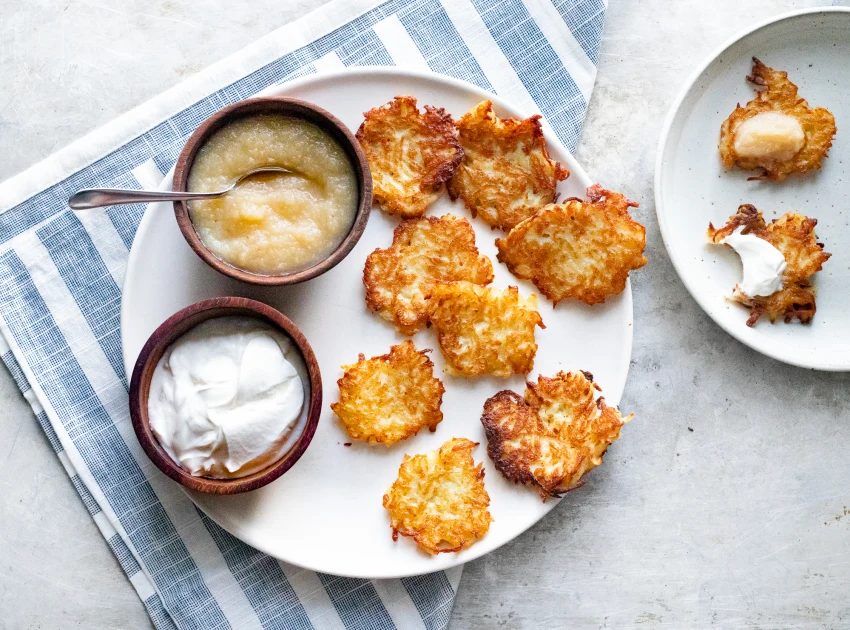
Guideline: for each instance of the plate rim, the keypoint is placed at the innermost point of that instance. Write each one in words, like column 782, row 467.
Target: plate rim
column 576, row 170
column 660, row 212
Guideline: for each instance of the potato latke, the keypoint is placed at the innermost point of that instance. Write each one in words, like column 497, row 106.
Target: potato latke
column 779, row 95
column 482, row 330
column 411, row 154
column 400, row 279
column 552, row 437
column 506, row 173
column 439, row 498
column 578, row 249
column 388, row 398
column 794, row 236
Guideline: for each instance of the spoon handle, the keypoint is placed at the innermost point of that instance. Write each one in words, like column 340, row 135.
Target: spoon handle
column 100, row 197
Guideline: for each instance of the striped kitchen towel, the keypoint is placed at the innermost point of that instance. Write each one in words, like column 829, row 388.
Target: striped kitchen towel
column 61, row 276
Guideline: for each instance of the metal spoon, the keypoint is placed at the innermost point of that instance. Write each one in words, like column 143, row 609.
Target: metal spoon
column 100, row 197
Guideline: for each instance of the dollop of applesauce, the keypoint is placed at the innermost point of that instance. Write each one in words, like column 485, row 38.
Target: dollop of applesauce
column 277, row 223
column 770, row 136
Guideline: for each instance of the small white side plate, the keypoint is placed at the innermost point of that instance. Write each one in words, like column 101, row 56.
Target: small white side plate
column 325, row 513
column 692, row 188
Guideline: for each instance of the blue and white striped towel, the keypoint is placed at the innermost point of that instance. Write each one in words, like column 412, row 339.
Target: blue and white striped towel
column 61, row 276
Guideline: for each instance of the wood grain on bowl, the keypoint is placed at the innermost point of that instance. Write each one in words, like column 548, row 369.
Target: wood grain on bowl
column 172, row 329
column 290, row 107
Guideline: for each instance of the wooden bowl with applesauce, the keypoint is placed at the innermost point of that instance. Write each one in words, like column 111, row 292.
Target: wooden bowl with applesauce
column 238, row 116
column 178, row 325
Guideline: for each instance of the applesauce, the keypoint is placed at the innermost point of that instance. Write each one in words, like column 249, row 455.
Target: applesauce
column 276, row 223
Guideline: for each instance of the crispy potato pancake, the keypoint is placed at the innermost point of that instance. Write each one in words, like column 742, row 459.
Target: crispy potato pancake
column 779, row 95
column 553, row 436
column 578, row 249
column 399, row 280
column 794, row 235
column 482, row 330
column 439, row 498
column 506, row 172
column 388, row 398
column 411, row 154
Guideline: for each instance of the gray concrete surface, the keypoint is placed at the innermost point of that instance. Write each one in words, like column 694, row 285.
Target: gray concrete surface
column 740, row 522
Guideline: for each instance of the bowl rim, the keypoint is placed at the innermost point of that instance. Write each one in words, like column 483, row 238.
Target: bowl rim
column 291, row 107
column 176, row 326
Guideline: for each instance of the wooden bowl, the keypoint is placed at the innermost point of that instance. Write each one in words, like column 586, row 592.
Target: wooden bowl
column 168, row 332
column 288, row 107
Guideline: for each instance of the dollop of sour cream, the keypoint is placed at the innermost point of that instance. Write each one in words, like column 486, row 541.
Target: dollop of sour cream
column 763, row 263
column 770, row 137
column 225, row 396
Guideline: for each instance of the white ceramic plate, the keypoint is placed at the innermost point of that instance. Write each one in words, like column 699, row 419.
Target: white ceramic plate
column 692, row 188
column 325, row 514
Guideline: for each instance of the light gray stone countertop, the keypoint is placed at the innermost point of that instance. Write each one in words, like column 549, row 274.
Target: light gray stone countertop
column 740, row 522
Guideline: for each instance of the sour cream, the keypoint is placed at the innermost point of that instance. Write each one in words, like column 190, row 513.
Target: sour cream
column 225, row 396
column 763, row 263
column 769, row 137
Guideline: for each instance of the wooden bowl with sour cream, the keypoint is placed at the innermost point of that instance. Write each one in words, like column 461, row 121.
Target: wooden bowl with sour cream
column 242, row 233
column 173, row 329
